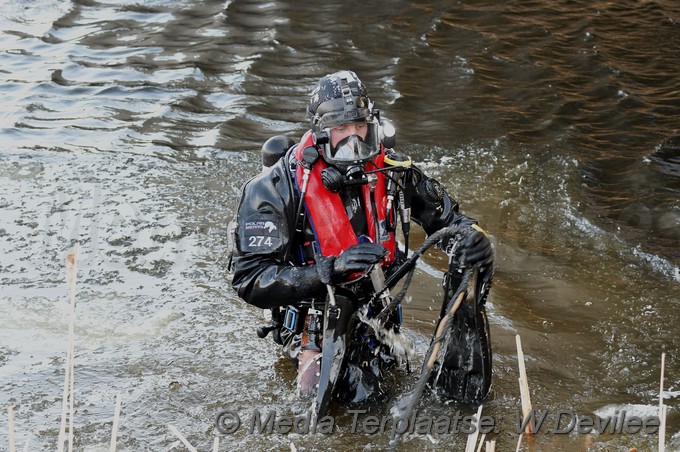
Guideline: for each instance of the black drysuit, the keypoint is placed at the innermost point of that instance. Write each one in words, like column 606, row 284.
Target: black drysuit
column 271, row 263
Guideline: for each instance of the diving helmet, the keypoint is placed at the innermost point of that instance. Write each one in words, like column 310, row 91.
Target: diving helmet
column 337, row 99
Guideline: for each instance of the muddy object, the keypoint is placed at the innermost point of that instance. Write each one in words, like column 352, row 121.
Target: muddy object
column 464, row 372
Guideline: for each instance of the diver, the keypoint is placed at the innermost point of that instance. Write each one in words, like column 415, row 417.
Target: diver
column 324, row 214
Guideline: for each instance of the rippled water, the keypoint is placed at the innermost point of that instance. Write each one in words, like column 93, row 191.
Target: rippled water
column 129, row 127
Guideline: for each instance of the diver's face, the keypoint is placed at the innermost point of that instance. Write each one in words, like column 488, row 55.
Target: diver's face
column 343, row 131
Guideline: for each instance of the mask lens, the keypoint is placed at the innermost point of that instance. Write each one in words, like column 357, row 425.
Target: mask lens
column 354, row 148
column 351, row 148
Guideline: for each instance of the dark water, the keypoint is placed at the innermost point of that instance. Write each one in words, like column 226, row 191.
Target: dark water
column 129, row 127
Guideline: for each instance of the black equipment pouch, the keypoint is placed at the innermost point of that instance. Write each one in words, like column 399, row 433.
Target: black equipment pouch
column 397, row 316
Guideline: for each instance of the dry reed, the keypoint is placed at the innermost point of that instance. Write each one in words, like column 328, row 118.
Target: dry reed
column 481, row 442
column 67, row 398
column 524, row 393
column 181, row 437
column 662, row 408
column 116, row 420
column 472, row 437
column 10, row 426
column 523, row 385
column 519, row 443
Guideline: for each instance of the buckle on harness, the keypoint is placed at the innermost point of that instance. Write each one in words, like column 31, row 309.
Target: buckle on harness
column 292, row 321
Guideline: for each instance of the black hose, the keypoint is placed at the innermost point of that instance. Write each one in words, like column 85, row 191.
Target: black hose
column 409, row 266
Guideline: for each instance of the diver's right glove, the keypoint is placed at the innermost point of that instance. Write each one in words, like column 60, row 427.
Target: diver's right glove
column 355, row 259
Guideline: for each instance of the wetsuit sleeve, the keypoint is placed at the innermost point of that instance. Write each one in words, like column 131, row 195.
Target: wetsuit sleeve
column 262, row 276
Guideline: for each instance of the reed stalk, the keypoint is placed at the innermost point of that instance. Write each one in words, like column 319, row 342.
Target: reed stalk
column 481, row 442
column 67, row 397
column 523, row 385
column 662, row 408
column 116, row 420
column 472, row 437
column 71, row 391
column 181, row 437
column 10, row 426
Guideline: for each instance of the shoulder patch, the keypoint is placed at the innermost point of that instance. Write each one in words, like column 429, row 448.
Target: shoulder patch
column 261, row 233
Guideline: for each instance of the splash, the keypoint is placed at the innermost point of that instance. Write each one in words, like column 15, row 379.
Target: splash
column 658, row 264
column 400, row 346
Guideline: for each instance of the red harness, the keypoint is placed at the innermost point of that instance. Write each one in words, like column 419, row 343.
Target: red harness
column 326, row 211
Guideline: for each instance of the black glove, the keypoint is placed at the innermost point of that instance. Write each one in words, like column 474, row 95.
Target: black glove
column 477, row 248
column 357, row 259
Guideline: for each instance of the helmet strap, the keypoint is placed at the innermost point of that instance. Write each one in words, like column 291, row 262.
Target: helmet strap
column 349, row 105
